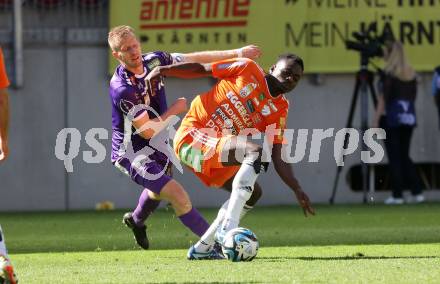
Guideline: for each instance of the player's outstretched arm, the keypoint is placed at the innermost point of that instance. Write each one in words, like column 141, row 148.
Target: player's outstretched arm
column 249, row 51
column 179, row 70
column 285, row 172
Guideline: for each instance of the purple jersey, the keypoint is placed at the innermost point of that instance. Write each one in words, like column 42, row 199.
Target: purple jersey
column 128, row 90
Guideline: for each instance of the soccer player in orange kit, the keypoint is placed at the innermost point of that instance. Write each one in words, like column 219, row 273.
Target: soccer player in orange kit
column 209, row 141
column 7, row 274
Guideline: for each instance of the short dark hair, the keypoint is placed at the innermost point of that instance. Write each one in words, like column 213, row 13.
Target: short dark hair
column 298, row 60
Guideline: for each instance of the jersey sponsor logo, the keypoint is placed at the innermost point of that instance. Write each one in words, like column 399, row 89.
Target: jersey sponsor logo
column 250, row 106
column 153, row 63
column 229, row 111
column 256, row 118
column 247, row 90
column 404, row 105
column 272, row 106
column 406, row 118
column 221, row 114
column 216, row 122
column 239, row 107
column 228, row 124
column 211, row 124
column 258, row 99
column 257, row 103
column 265, row 111
column 191, row 157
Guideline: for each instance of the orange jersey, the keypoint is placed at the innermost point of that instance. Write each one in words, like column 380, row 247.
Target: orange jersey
column 4, row 82
column 240, row 100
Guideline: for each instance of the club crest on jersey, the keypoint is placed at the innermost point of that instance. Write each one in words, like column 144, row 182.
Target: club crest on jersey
column 247, row 90
column 153, row 63
column 265, row 111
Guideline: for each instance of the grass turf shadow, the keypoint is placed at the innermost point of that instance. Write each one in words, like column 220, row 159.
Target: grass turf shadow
column 354, row 257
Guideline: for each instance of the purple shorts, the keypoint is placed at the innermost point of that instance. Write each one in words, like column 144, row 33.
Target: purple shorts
column 150, row 175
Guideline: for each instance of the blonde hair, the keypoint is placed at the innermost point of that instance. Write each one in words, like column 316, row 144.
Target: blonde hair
column 117, row 34
column 397, row 64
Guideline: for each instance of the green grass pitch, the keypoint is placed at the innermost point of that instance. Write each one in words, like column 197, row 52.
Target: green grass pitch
column 341, row 244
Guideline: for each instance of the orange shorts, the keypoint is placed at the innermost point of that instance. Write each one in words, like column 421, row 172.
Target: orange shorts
column 201, row 152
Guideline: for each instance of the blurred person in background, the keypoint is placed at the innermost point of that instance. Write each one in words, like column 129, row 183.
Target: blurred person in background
column 436, row 90
column 6, row 270
column 396, row 114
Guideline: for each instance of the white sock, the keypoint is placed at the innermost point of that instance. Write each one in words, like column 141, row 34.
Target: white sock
column 3, row 250
column 207, row 240
column 245, row 210
column 242, row 188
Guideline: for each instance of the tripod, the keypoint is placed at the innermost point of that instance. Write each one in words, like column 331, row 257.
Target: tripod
column 363, row 85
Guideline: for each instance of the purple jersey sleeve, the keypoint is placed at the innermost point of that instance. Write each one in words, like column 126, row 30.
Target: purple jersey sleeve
column 156, row 58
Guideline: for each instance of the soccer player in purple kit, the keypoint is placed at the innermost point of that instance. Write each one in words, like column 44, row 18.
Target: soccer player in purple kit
column 128, row 90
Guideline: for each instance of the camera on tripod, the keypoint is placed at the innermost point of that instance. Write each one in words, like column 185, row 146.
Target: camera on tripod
column 369, row 46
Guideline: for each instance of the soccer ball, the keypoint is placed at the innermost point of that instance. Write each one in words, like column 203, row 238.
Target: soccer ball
column 240, row 244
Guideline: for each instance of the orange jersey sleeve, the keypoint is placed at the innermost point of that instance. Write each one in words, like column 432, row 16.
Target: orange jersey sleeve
column 4, row 82
column 230, row 67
